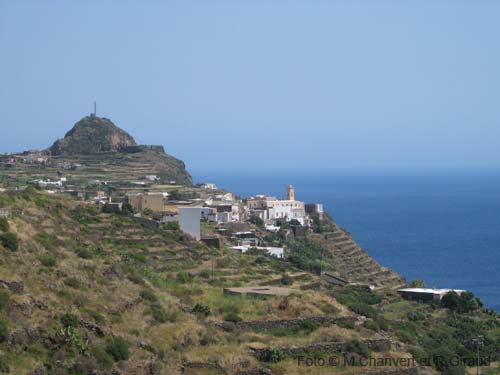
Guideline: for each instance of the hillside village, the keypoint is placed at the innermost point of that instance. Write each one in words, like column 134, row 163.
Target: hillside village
column 113, row 262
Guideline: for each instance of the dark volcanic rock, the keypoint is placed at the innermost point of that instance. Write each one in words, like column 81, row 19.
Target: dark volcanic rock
column 92, row 135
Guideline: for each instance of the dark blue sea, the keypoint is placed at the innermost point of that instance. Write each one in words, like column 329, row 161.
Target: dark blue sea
column 443, row 228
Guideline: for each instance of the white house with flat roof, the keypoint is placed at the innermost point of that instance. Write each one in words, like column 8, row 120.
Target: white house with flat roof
column 426, row 294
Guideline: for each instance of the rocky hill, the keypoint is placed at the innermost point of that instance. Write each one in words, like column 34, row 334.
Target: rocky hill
column 101, row 151
column 92, row 135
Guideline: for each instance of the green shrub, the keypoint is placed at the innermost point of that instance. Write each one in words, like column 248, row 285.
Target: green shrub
column 84, row 253
column 286, row 279
column 46, row 240
column 461, row 303
column 370, row 324
column 70, row 320
column 10, row 241
column 103, row 358
column 308, row 326
column 349, row 296
column 73, row 282
column 184, row 277
column 356, row 346
column 444, row 359
column 118, row 348
column 148, row 295
column 271, row 355
column 417, row 283
column 232, row 317
column 4, row 225
column 205, row 274
column 415, row 316
column 4, row 367
column 160, row 315
column 4, row 299
column 363, row 309
column 136, row 278
column 4, row 331
column 348, row 324
column 201, row 309
column 308, row 256
column 96, row 315
column 138, row 258
column 257, row 221
column 173, row 225
column 48, row 260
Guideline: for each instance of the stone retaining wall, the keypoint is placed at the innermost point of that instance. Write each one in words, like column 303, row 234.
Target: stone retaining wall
column 397, row 371
column 267, row 325
column 379, row 345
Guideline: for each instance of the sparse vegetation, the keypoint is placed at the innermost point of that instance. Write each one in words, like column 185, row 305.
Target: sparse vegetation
column 4, row 299
column 118, row 291
column 4, row 331
column 73, row 282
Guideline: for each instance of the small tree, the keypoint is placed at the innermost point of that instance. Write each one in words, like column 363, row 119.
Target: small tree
column 4, row 225
column 70, row 320
column 118, row 348
column 10, row 241
column 417, row 283
column 257, row 221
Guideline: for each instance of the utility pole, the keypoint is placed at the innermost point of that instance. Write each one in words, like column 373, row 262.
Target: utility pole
column 479, row 341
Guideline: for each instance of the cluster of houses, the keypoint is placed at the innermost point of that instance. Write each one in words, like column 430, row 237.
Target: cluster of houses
column 223, row 207
column 218, row 207
column 27, row 157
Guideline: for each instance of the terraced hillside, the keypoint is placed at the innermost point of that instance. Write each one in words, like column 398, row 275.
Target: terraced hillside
column 91, row 293
column 354, row 264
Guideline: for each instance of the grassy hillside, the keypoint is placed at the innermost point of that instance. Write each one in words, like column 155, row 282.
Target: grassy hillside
column 85, row 292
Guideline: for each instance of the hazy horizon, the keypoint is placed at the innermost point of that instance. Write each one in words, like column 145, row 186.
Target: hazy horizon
column 262, row 86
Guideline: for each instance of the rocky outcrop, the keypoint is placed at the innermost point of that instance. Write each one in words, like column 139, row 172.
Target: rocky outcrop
column 92, row 135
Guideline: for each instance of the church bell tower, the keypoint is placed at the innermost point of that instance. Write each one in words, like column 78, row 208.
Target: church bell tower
column 290, row 193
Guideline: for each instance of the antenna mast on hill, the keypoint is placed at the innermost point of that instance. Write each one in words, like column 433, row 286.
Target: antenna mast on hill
column 95, row 108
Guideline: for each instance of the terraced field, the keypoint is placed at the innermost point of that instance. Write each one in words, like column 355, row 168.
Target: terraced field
column 160, row 293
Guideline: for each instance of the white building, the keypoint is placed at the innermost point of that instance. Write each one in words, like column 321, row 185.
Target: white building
column 152, row 177
column 426, row 294
column 209, row 186
column 189, row 221
column 270, row 208
column 277, row 252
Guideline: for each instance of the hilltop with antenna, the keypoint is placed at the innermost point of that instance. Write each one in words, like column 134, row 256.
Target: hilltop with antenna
column 92, row 135
column 101, row 151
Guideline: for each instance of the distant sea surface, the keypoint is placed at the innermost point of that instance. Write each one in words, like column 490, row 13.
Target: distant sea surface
column 443, row 228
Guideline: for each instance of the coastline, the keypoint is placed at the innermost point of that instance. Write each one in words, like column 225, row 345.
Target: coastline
column 442, row 230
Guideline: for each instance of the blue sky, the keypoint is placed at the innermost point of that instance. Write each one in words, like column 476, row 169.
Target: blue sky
column 358, row 85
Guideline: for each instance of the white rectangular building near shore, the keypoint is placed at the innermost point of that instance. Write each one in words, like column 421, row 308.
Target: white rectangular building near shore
column 426, row 294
